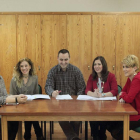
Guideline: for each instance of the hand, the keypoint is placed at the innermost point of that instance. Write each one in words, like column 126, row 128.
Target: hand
column 122, row 100
column 99, row 94
column 120, row 93
column 96, row 92
column 21, row 98
column 55, row 93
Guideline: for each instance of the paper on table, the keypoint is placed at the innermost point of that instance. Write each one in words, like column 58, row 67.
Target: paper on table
column 37, row 96
column 86, row 97
column 64, row 97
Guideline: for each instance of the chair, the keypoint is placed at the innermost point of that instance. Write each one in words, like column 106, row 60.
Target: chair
column 40, row 89
column 52, row 128
column 119, row 89
column 51, row 123
column 137, row 129
column 40, row 92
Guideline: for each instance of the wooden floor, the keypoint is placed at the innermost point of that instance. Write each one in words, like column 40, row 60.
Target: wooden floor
column 58, row 134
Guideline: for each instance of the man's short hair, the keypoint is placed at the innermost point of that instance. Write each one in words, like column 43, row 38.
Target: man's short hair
column 64, row 51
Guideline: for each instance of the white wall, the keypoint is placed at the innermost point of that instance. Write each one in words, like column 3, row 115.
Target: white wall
column 69, row 5
column 59, row 5
column 130, row 5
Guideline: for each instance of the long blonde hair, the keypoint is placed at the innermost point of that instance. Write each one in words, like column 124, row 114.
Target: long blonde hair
column 17, row 74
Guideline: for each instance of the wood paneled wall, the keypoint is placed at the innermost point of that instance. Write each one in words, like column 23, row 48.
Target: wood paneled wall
column 41, row 36
column 29, row 40
column 127, row 41
column 79, row 42
column 103, row 39
column 53, row 39
column 7, row 47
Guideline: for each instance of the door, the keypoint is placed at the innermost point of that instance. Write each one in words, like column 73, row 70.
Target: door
column 7, row 47
column 127, row 42
column 103, row 39
column 53, row 39
column 29, row 40
column 79, row 42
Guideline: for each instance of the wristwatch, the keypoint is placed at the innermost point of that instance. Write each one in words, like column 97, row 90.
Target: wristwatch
column 103, row 94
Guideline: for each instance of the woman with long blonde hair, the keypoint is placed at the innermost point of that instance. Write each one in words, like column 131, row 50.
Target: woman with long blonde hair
column 25, row 81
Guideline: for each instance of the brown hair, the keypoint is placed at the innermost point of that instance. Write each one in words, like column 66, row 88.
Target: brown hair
column 17, row 75
column 104, row 72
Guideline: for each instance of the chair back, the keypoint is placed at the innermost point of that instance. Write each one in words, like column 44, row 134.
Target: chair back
column 137, row 129
column 119, row 89
column 40, row 89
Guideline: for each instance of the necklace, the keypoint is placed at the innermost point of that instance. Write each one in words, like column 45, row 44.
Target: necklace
column 100, row 85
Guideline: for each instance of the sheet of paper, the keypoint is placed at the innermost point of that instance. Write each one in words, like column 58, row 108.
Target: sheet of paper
column 29, row 97
column 37, row 96
column 64, row 97
column 40, row 96
column 86, row 97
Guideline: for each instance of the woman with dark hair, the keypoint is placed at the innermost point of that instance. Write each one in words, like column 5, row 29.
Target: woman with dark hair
column 25, row 81
column 101, row 83
column 4, row 98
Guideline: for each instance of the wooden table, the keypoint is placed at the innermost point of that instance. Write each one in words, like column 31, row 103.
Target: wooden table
column 67, row 110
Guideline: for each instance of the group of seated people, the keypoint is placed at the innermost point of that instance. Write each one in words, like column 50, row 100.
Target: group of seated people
column 66, row 78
